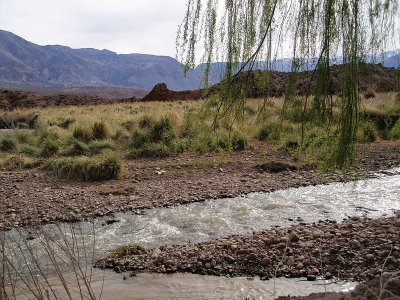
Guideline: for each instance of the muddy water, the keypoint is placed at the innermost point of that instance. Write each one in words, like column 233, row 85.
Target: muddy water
column 203, row 221
column 189, row 286
column 242, row 215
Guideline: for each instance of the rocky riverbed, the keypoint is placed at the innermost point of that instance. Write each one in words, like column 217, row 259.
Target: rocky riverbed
column 357, row 249
column 36, row 196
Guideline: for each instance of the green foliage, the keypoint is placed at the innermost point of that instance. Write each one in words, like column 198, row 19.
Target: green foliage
column 76, row 147
column 96, row 147
column 8, row 144
column 29, row 150
column 66, row 122
column 244, row 32
column 369, row 94
column 13, row 162
column 82, row 133
column 103, row 167
column 269, row 132
column 152, row 150
column 145, row 121
column 162, row 131
column 138, row 139
column 395, row 132
column 49, row 147
column 239, row 141
column 367, row 132
column 100, row 130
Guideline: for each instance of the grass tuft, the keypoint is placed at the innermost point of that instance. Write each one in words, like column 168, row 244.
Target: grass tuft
column 98, row 168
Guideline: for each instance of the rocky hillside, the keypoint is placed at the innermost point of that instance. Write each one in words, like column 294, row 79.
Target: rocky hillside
column 24, row 65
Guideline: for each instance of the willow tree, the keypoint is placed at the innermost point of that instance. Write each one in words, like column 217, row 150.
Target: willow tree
column 313, row 32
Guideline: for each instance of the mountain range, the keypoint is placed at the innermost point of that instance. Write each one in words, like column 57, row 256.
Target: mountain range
column 53, row 68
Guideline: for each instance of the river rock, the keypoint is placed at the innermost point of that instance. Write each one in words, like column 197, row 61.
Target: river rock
column 293, row 237
column 156, row 253
column 317, row 233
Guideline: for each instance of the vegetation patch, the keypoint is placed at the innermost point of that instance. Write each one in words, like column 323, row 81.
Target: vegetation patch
column 102, row 167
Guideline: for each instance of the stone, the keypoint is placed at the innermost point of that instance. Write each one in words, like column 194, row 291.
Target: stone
column 317, row 234
column 293, row 237
column 156, row 253
column 370, row 258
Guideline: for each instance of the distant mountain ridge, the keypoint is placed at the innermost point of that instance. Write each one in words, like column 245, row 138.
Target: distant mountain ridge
column 54, row 69
column 25, row 64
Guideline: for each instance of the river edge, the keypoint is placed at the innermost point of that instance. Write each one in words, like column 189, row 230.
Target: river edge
column 34, row 196
column 359, row 249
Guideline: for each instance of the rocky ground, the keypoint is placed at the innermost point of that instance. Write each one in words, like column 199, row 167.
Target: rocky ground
column 35, row 195
column 358, row 249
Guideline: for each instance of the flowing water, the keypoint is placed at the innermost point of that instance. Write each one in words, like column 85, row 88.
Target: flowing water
column 241, row 215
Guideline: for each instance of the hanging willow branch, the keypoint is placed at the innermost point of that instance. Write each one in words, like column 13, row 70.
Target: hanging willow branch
column 315, row 32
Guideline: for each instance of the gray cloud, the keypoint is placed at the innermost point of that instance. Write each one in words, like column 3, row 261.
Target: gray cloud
column 123, row 26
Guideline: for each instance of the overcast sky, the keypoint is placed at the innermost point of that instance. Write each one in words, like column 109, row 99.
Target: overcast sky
column 123, row 26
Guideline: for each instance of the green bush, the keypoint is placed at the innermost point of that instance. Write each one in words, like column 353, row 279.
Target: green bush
column 96, row 147
column 367, row 132
column 76, row 147
column 161, row 131
column 49, row 147
column 369, row 94
column 179, row 146
column 145, row 122
column 138, row 139
column 395, row 132
column 29, row 150
column 33, row 120
column 14, row 162
column 239, row 141
column 65, row 123
column 152, row 150
column 269, row 132
column 103, row 167
column 100, row 130
column 25, row 137
column 8, row 144
column 82, row 133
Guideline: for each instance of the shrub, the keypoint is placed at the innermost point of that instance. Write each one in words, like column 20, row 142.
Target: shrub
column 395, row 132
column 103, row 167
column 76, row 147
column 179, row 146
column 239, row 141
column 96, row 147
column 270, row 132
column 100, row 130
column 369, row 94
column 29, row 150
column 145, row 122
column 161, row 131
column 17, row 162
column 153, row 150
column 25, row 137
column 367, row 132
column 138, row 139
column 65, row 123
column 82, row 133
column 49, row 147
column 8, row 144
column 128, row 125
column 32, row 120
